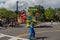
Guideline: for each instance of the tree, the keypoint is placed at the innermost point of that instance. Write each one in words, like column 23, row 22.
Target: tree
column 49, row 13
column 41, row 17
column 10, row 14
column 4, row 13
column 33, row 11
column 58, row 15
column 40, row 9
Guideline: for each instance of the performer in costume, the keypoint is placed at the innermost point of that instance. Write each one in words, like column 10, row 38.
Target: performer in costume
column 23, row 17
column 29, row 19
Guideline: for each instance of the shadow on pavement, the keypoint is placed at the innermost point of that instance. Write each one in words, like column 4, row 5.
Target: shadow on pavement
column 17, row 26
column 1, row 28
column 39, row 38
column 44, row 26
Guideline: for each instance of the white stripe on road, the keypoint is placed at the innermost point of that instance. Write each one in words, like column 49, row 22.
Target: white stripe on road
column 2, row 35
column 12, row 37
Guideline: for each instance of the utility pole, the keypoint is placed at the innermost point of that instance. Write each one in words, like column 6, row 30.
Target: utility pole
column 17, row 9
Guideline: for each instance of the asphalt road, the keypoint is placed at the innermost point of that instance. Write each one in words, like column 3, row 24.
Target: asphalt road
column 45, row 31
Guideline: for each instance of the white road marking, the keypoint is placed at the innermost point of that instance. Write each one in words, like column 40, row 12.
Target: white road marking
column 12, row 37
column 2, row 35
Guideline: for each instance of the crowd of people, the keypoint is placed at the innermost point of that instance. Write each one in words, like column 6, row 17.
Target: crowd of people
column 7, row 22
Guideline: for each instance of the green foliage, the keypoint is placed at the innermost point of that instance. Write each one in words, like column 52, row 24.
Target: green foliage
column 58, row 9
column 4, row 13
column 41, row 17
column 49, row 13
column 33, row 11
column 58, row 14
column 40, row 8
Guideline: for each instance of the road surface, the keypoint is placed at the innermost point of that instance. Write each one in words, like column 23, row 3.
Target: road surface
column 45, row 31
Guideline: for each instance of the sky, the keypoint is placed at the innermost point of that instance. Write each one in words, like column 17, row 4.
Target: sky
column 11, row 4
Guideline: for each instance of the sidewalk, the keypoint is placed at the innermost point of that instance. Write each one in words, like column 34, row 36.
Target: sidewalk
column 51, row 23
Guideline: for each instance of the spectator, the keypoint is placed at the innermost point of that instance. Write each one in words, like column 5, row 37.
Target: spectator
column 0, row 22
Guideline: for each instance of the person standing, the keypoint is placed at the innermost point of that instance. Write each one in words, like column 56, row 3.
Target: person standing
column 36, row 16
column 32, row 31
column 0, row 22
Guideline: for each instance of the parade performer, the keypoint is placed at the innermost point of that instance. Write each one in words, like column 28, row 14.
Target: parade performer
column 29, row 19
column 32, row 31
column 23, row 17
